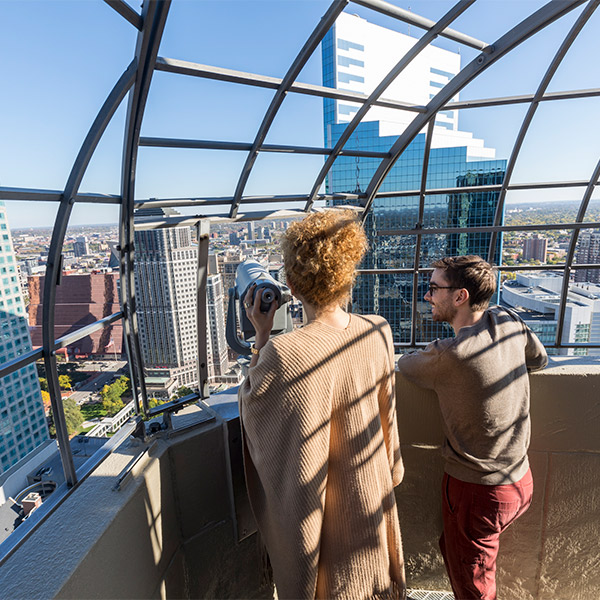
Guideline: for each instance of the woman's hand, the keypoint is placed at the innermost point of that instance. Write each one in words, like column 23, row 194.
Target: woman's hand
column 262, row 322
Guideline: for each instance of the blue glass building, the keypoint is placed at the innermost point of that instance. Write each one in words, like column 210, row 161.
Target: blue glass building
column 23, row 424
column 390, row 295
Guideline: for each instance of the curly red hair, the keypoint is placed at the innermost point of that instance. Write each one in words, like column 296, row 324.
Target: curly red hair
column 320, row 255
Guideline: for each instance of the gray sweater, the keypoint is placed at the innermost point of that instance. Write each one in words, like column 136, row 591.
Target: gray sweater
column 480, row 378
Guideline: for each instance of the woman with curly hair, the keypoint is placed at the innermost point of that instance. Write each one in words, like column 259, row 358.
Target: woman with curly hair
column 318, row 413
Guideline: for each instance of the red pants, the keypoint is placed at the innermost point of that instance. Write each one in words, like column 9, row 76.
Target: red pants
column 474, row 516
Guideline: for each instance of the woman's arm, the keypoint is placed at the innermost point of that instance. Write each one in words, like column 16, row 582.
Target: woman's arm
column 262, row 322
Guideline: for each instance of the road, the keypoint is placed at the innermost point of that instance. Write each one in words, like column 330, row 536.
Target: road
column 84, row 393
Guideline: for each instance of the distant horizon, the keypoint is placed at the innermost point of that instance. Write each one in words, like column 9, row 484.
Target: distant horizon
column 115, row 224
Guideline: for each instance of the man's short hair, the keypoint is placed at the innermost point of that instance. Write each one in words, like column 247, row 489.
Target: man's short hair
column 474, row 274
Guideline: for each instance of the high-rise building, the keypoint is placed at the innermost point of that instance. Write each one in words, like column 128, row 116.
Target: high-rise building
column 218, row 363
column 166, row 299
column 356, row 55
column 588, row 252
column 535, row 248
column 81, row 246
column 80, row 300
column 22, row 419
column 250, row 230
column 536, row 296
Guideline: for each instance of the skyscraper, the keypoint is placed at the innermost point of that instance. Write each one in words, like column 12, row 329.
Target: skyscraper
column 356, row 56
column 22, row 420
column 535, row 248
column 166, row 298
column 218, row 363
column 588, row 252
column 81, row 246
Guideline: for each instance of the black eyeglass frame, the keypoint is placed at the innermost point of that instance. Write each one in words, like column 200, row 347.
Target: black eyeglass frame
column 432, row 288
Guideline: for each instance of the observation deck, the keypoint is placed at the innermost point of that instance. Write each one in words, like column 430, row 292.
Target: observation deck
column 177, row 524
column 163, row 512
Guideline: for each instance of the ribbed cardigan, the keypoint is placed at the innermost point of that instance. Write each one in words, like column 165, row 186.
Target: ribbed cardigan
column 322, row 456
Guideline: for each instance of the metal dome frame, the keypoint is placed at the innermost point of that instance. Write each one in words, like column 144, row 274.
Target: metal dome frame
column 135, row 83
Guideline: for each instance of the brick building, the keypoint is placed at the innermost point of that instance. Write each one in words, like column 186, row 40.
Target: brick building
column 80, row 300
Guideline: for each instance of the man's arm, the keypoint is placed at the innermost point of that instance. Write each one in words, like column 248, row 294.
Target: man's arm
column 421, row 367
column 536, row 357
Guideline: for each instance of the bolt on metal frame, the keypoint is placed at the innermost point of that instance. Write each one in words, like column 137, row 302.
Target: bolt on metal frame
column 136, row 80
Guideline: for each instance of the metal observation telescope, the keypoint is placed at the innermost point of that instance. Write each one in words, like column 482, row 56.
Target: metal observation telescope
column 133, row 88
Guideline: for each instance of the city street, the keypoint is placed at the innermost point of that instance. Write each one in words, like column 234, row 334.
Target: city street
column 107, row 370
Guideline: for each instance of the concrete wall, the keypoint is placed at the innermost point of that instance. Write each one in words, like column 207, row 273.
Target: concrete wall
column 169, row 532
column 552, row 552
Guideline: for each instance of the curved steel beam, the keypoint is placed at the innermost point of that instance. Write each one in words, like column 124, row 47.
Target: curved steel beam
column 411, row 18
column 413, row 320
column 54, row 264
column 412, row 53
column 126, row 12
column 152, row 142
column 528, row 27
column 539, row 94
column 181, row 67
column 313, row 41
column 154, row 14
column 587, row 196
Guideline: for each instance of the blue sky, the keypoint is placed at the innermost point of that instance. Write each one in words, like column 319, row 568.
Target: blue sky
column 61, row 58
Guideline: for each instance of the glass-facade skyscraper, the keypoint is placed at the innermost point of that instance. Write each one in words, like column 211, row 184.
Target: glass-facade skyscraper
column 351, row 50
column 23, row 424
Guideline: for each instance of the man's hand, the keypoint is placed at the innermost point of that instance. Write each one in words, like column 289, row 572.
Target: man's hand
column 262, row 322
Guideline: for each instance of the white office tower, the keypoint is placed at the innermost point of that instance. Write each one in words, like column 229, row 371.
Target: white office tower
column 218, row 364
column 536, row 297
column 22, row 420
column 357, row 55
column 166, row 299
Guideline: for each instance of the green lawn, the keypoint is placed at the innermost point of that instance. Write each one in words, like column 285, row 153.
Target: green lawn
column 93, row 411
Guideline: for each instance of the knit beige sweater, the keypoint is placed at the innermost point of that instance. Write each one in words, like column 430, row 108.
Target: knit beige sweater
column 322, row 457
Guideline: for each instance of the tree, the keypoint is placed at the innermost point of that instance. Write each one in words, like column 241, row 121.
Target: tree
column 44, row 384
column 112, row 406
column 181, row 392
column 111, row 398
column 154, row 402
column 73, row 417
column 124, row 384
column 65, row 382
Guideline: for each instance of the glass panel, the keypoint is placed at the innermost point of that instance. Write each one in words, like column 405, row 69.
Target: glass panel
column 191, row 108
column 592, row 215
column 535, row 247
column 557, row 126
column 531, row 57
column 187, row 173
column 275, row 173
column 59, row 92
column 299, row 122
column 242, row 35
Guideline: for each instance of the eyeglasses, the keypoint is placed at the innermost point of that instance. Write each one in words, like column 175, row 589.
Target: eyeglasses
column 433, row 288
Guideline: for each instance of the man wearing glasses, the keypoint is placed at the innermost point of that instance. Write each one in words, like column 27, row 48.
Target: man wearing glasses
column 480, row 378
